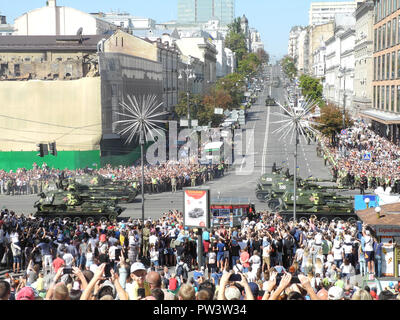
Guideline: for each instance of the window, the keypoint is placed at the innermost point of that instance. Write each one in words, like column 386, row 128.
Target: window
column 378, row 97
column 383, row 67
column 392, row 99
column 384, row 37
column 387, row 97
column 393, row 65
column 375, row 68
column 389, row 7
column 379, row 68
column 387, row 66
column 389, row 34
column 375, row 39
column 374, row 98
column 398, row 99
column 398, row 64
column 382, row 97
column 394, row 31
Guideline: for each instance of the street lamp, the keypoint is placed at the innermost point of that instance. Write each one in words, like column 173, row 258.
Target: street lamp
column 190, row 75
column 378, row 212
column 342, row 74
column 367, row 202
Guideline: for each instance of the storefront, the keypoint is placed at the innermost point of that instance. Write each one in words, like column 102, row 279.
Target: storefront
column 384, row 124
column 385, row 226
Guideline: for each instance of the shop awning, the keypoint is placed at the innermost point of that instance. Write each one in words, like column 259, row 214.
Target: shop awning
column 381, row 116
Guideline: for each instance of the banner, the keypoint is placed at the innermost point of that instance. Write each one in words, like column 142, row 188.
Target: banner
column 196, row 208
column 388, row 257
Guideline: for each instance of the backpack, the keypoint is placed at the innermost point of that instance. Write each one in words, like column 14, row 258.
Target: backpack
column 180, row 271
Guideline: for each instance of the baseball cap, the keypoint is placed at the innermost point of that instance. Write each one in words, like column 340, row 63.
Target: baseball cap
column 335, row 293
column 108, row 283
column 137, row 266
column 26, row 293
column 232, row 293
column 254, row 289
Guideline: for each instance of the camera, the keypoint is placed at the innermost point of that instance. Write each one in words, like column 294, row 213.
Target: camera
column 67, row 270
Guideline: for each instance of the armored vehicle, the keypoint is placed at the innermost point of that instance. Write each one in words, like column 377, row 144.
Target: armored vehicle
column 314, row 202
column 270, row 101
column 71, row 206
column 98, row 186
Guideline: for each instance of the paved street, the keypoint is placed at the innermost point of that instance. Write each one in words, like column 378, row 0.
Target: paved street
column 268, row 148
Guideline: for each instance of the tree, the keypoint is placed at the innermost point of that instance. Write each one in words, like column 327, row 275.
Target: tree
column 262, row 55
column 217, row 98
column 331, row 121
column 234, row 85
column 249, row 64
column 236, row 40
column 195, row 104
column 289, row 67
column 311, row 88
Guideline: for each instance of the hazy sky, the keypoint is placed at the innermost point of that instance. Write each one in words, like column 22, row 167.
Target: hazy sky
column 272, row 18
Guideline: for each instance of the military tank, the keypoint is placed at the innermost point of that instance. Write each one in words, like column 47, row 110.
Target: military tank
column 310, row 202
column 98, row 187
column 270, row 101
column 71, row 206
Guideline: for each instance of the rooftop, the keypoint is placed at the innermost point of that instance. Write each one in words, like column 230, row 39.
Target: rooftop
column 390, row 215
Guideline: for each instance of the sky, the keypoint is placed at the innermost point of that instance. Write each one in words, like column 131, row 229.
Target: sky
column 272, row 18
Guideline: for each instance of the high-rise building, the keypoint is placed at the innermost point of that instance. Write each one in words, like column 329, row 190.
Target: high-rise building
column 201, row 11
column 323, row 12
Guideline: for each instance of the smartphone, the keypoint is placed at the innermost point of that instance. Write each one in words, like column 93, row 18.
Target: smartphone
column 107, row 271
column 67, row 270
column 117, row 254
column 141, row 293
column 235, row 277
column 295, row 279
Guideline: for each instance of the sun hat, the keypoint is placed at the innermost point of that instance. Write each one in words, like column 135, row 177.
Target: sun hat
column 26, row 293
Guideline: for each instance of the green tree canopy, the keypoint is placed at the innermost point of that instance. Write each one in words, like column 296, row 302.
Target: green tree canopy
column 311, row 88
column 289, row 67
column 331, row 121
column 236, row 40
column 233, row 84
column 249, row 64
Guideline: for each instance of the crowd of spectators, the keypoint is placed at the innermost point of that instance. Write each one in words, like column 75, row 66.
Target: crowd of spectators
column 169, row 176
column 265, row 258
column 350, row 162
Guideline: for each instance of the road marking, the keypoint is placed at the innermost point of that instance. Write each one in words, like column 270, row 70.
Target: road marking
column 265, row 142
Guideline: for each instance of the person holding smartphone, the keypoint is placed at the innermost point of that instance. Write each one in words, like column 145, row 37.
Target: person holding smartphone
column 140, row 287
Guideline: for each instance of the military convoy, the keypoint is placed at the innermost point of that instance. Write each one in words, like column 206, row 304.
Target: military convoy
column 276, row 190
column 86, row 197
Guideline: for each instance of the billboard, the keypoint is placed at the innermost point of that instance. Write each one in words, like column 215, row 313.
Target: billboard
column 196, row 207
column 360, row 204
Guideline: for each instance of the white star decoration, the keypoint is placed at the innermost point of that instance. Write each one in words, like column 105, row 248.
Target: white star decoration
column 296, row 120
column 140, row 116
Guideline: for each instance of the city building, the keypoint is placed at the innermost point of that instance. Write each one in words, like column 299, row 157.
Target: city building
column 385, row 112
column 339, row 72
column 363, row 56
column 323, row 12
column 126, row 21
column 293, row 48
column 59, row 20
column 69, row 90
column 318, row 34
column 303, row 42
column 201, row 11
column 319, row 62
column 5, row 28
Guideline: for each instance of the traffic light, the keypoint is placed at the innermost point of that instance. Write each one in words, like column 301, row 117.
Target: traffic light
column 53, row 149
column 42, row 149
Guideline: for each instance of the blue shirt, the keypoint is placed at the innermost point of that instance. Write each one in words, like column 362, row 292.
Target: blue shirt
column 220, row 247
column 206, row 235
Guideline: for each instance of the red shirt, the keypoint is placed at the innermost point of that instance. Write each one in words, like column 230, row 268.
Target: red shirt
column 206, row 246
column 244, row 259
column 58, row 263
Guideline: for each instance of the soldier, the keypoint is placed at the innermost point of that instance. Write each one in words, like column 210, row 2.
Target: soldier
column 193, row 180
column 173, row 184
column 154, row 185
column 274, row 167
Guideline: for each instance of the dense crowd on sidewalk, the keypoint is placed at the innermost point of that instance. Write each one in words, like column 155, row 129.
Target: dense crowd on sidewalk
column 265, row 258
column 349, row 159
column 169, row 176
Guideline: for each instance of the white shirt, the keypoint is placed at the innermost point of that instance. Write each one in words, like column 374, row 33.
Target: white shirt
column 255, row 261
column 337, row 253
column 153, row 239
column 368, row 244
column 68, row 259
column 266, row 251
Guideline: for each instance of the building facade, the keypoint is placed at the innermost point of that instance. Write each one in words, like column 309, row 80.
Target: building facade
column 201, row 11
column 363, row 56
column 57, row 20
column 323, row 12
column 385, row 112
